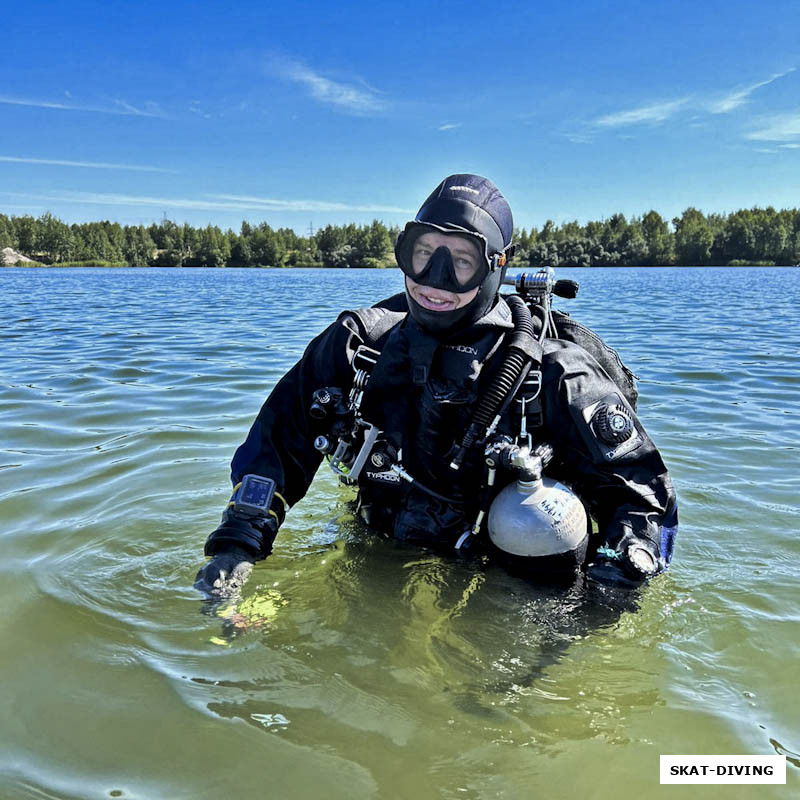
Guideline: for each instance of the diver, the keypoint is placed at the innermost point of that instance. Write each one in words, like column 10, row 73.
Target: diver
column 468, row 419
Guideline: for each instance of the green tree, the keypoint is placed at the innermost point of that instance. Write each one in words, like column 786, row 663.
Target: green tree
column 523, row 241
column 576, row 252
column 266, row 247
column 772, row 236
column 288, row 239
column 329, row 239
column 191, row 244
column 96, row 244
column 613, row 236
column 544, row 254
column 738, row 239
column 6, row 232
column 168, row 258
column 379, row 243
column 167, row 235
column 304, row 256
column 658, row 239
column 792, row 252
column 54, row 238
column 241, row 256
column 139, row 248
column 116, row 241
column 343, row 256
column 25, row 234
column 633, row 247
column 693, row 238
column 213, row 249
column 569, row 231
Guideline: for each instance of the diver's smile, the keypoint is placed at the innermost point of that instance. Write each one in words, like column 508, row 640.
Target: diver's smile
column 433, row 299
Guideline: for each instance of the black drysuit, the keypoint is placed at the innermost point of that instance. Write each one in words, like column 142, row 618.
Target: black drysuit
column 422, row 394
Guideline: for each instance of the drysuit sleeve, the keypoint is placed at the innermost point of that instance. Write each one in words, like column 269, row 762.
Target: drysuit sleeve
column 279, row 444
column 606, row 454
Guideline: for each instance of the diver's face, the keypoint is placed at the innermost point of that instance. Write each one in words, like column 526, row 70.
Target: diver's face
column 466, row 259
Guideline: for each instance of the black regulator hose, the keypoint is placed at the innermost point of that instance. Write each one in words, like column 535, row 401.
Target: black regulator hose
column 526, row 369
column 523, row 348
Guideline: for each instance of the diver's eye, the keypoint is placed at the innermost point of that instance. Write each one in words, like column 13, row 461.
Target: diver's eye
column 420, row 256
column 422, row 250
column 464, row 269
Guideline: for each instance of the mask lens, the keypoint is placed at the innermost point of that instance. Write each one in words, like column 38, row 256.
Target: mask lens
column 467, row 254
column 463, row 256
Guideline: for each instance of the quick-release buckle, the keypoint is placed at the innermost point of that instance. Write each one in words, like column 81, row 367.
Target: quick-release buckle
column 533, row 379
column 365, row 358
column 525, row 437
column 530, row 391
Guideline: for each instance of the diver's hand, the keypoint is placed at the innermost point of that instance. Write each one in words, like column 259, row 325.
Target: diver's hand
column 632, row 561
column 225, row 574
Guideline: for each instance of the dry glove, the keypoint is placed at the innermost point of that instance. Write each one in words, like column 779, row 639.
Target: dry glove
column 225, row 574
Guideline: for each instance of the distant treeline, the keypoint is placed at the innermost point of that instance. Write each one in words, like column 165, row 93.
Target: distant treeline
column 751, row 236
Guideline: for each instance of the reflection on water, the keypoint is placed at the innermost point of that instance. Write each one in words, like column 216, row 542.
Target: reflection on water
column 353, row 664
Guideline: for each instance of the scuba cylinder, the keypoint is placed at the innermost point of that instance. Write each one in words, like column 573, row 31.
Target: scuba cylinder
column 536, row 522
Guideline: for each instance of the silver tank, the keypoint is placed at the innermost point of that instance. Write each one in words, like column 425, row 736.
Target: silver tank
column 537, row 519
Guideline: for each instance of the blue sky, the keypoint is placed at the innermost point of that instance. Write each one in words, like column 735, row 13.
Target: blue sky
column 310, row 113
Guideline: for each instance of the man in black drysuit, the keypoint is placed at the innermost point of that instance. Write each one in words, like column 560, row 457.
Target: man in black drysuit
column 434, row 352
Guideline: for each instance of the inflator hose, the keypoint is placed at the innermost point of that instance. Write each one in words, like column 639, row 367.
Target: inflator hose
column 522, row 349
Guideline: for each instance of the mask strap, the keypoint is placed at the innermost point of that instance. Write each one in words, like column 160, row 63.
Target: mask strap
column 499, row 260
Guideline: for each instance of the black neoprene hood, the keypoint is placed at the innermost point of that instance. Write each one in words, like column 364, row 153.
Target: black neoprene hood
column 473, row 203
column 470, row 203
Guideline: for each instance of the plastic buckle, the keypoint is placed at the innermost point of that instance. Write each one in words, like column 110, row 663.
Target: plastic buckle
column 365, row 358
column 535, row 375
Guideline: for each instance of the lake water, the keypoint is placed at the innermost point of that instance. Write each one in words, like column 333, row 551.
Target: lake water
column 354, row 667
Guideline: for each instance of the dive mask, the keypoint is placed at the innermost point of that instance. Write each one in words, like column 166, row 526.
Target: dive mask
column 453, row 259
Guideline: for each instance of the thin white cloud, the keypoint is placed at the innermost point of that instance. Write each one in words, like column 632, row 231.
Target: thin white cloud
column 792, row 146
column 580, row 138
column 353, row 99
column 120, row 107
column 654, row 113
column 269, row 203
column 222, row 202
column 449, row 126
column 739, row 97
column 57, row 162
column 651, row 113
column 778, row 128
